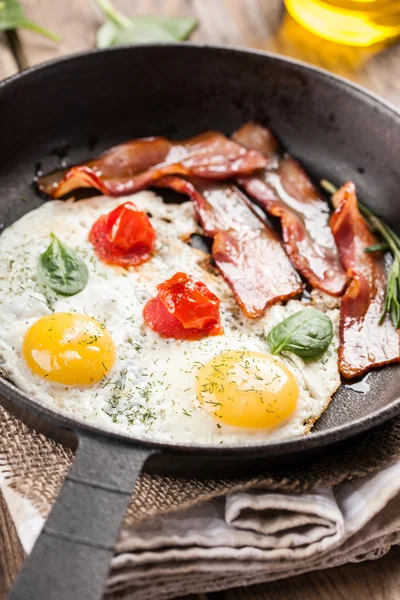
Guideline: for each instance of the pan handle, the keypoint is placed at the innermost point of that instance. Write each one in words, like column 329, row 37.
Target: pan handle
column 72, row 555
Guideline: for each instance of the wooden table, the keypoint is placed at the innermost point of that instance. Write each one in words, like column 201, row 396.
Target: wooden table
column 258, row 24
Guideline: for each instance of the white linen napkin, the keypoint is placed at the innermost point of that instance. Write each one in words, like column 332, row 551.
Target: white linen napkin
column 245, row 538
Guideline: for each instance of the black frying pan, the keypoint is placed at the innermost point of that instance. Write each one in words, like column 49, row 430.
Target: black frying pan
column 84, row 104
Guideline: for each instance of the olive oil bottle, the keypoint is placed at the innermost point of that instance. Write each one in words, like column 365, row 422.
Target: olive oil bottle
column 354, row 22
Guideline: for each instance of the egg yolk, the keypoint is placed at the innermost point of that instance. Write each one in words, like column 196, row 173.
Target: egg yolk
column 69, row 348
column 247, row 389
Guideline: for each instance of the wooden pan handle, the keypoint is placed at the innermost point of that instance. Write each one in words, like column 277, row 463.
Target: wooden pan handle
column 72, row 555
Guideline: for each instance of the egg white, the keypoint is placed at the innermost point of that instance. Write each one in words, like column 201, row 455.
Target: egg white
column 151, row 391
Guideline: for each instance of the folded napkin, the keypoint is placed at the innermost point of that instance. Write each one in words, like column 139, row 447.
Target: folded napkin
column 246, row 537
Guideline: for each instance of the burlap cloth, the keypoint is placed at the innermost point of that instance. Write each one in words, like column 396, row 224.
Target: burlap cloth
column 35, row 467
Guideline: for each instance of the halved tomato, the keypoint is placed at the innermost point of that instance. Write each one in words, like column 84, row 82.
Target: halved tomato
column 183, row 309
column 124, row 236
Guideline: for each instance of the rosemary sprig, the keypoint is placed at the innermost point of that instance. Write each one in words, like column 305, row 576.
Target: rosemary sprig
column 376, row 248
column 390, row 242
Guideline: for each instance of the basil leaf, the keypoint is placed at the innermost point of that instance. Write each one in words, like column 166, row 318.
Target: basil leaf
column 307, row 333
column 119, row 30
column 12, row 16
column 61, row 269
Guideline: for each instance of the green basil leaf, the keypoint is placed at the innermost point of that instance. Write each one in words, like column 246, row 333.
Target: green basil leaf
column 61, row 269
column 119, row 30
column 12, row 16
column 306, row 333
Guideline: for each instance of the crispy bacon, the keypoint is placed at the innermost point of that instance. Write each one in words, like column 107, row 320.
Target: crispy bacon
column 284, row 190
column 139, row 163
column 245, row 249
column 364, row 343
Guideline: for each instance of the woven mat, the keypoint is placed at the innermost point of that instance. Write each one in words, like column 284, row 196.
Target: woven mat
column 11, row 552
column 36, row 466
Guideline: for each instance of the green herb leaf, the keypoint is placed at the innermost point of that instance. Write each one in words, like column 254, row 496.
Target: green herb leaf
column 119, row 30
column 376, row 248
column 61, row 269
column 307, row 333
column 12, row 16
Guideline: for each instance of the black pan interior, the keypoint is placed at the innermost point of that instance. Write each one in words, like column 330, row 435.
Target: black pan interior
column 69, row 110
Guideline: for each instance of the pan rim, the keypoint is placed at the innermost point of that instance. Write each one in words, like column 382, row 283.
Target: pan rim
column 282, row 447
column 324, row 73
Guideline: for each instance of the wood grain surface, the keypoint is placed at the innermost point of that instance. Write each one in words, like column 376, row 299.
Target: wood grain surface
column 261, row 24
column 8, row 64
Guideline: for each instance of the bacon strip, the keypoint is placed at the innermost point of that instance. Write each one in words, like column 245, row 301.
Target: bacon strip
column 139, row 163
column 364, row 343
column 284, row 190
column 245, row 249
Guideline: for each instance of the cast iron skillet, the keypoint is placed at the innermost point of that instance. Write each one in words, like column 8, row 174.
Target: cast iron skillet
column 84, row 104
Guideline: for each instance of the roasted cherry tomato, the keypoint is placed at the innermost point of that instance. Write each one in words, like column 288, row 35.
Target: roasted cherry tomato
column 183, row 309
column 124, row 236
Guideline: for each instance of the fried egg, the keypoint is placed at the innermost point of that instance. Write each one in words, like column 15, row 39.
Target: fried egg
column 91, row 356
